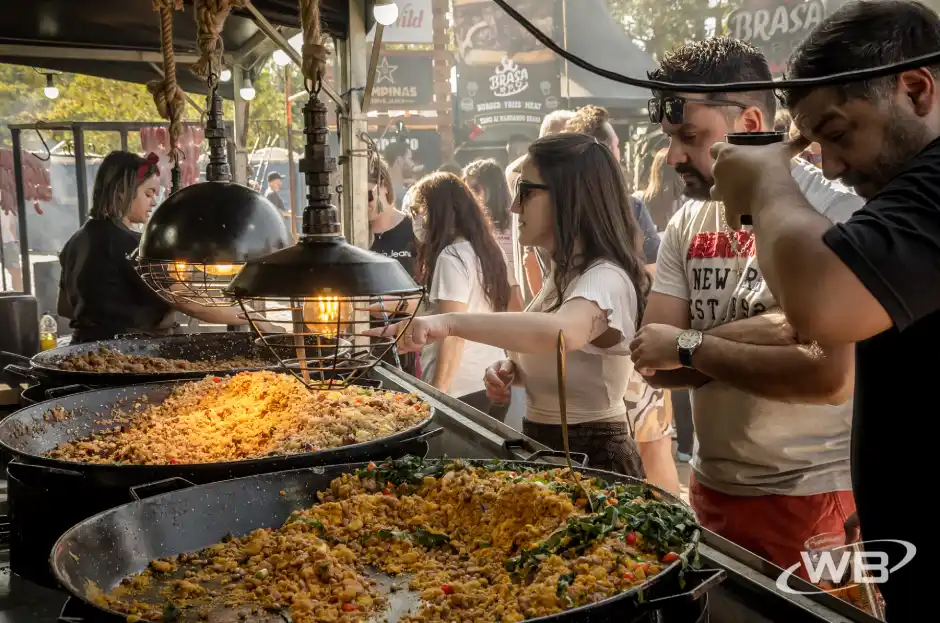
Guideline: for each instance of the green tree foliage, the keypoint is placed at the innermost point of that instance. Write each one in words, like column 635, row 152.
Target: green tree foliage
column 661, row 25
column 89, row 98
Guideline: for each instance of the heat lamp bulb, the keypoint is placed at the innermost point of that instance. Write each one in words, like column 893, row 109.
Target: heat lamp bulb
column 221, row 270
column 386, row 12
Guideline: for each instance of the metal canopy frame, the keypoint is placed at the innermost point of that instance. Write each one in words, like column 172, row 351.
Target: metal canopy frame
column 348, row 20
column 78, row 129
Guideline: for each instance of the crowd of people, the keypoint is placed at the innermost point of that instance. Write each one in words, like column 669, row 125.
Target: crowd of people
column 771, row 328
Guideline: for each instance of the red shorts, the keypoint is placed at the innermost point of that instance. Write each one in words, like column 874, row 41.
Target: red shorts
column 774, row 527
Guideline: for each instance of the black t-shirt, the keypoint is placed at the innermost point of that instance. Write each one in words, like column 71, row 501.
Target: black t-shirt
column 398, row 243
column 104, row 293
column 893, row 247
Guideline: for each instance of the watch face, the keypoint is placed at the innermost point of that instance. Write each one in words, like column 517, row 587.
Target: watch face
column 689, row 340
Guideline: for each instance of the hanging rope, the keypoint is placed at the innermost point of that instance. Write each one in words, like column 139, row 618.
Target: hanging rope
column 210, row 18
column 167, row 95
column 315, row 53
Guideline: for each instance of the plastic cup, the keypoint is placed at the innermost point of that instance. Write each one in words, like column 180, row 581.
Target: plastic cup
column 753, row 138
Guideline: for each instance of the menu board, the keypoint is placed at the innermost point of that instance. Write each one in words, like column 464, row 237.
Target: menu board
column 403, row 81
column 507, row 93
column 506, row 80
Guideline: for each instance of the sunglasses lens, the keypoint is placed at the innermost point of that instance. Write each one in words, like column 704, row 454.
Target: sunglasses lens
column 371, row 196
column 655, row 110
column 673, row 110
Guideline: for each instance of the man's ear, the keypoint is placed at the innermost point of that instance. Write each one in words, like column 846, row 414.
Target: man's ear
column 751, row 119
column 919, row 86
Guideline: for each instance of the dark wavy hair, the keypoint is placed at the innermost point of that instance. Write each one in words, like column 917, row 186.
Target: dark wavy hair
column 116, row 186
column 491, row 177
column 593, row 217
column 453, row 213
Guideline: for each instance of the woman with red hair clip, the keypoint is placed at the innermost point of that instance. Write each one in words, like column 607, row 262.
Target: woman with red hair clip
column 99, row 291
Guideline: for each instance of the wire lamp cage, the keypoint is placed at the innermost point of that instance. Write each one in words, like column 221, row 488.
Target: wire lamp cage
column 325, row 290
column 201, row 236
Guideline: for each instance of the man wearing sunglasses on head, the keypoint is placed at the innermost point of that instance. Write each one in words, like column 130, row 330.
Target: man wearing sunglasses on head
column 772, row 419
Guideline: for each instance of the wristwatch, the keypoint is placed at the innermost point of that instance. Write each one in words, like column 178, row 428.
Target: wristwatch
column 686, row 343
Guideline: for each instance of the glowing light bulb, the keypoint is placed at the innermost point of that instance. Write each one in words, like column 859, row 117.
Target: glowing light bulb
column 386, row 12
column 247, row 91
column 221, row 270
column 281, row 59
column 322, row 315
column 226, row 75
column 51, row 90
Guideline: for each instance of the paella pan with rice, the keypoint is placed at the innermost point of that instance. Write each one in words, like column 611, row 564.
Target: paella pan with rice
column 466, row 540
column 246, row 416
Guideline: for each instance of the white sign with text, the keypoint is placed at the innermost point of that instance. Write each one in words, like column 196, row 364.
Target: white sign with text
column 414, row 25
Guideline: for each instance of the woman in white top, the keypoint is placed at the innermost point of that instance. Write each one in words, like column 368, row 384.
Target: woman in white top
column 463, row 268
column 570, row 200
column 487, row 180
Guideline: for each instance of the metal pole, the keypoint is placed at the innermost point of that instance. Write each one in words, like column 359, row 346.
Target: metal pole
column 353, row 125
column 373, row 63
column 20, row 188
column 274, row 35
column 240, row 162
column 123, row 140
column 290, row 154
column 81, row 175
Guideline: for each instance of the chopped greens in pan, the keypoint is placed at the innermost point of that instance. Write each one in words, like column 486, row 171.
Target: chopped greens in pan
column 489, row 541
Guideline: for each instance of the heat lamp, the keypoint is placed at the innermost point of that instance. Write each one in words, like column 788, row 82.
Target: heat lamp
column 201, row 236
column 327, row 290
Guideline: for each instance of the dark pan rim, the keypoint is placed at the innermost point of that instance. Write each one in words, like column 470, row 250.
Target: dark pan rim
column 43, row 362
column 634, row 592
column 40, row 460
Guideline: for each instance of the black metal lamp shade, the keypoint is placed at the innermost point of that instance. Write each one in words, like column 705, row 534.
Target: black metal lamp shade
column 322, row 267
column 328, row 292
column 200, row 236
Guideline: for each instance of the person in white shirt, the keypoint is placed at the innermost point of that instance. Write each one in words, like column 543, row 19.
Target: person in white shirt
column 532, row 264
column 569, row 199
column 772, row 415
column 464, row 270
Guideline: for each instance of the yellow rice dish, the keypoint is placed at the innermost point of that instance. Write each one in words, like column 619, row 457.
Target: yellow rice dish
column 246, row 416
column 478, row 544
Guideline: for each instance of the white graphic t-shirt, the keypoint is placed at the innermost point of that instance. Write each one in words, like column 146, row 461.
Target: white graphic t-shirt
column 745, row 444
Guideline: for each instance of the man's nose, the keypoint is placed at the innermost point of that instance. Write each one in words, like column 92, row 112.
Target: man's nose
column 832, row 167
column 675, row 155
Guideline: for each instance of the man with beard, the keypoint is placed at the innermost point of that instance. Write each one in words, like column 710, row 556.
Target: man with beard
column 871, row 281
column 771, row 463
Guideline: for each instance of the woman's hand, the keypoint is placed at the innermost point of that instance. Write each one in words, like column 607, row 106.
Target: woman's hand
column 498, row 381
column 267, row 327
column 421, row 331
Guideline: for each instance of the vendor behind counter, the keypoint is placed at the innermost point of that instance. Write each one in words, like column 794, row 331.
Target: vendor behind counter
column 99, row 291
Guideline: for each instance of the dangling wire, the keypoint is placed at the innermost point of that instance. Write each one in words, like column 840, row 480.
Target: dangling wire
column 167, row 94
column 845, row 77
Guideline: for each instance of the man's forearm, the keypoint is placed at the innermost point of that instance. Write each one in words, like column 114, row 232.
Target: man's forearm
column 798, row 373
column 791, row 248
column 682, row 378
